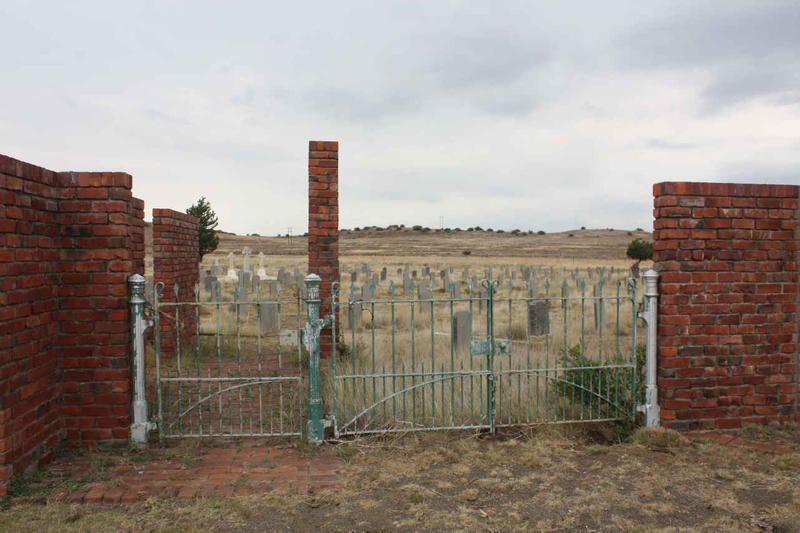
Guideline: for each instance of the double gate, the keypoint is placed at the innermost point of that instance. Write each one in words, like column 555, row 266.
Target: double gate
column 498, row 355
column 417, row 358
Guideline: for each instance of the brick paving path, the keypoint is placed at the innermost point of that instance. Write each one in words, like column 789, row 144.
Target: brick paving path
column 176, row 473
column 728, row 439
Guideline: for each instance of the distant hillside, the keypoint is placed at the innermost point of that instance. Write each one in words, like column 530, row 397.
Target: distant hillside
column 574, row 244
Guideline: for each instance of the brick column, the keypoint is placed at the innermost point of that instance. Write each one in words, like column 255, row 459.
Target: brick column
column 323, row 225
column 728, row 316
column 102, row 243
column 176, row 253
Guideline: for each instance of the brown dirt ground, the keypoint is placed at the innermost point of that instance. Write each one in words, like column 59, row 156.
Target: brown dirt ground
column 556, row 479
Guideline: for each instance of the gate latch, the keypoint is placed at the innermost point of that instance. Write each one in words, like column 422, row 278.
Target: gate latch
column 480, row 347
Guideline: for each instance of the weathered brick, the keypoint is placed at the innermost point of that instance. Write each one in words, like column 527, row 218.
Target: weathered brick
column 323, row 224
column 61, row 248
column 176, row 253
column 738, row 267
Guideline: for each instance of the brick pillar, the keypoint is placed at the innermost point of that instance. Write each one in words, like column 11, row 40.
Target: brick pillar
column 728, row 318
column 102, row 243
column 323, row 225
column 176, row 253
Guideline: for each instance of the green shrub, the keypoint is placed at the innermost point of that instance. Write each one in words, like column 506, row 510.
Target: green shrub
column 605, row 392
column 640, row 250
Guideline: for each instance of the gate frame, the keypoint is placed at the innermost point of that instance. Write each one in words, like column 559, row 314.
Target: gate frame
column 316, row 417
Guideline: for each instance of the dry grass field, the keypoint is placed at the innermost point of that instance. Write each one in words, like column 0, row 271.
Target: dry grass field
column 595, row 246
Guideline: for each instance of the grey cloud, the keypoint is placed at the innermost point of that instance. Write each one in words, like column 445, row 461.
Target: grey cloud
column 741, row 84
column 489, row 59
column 748, row 52
column 708, row 37
column 361, row 105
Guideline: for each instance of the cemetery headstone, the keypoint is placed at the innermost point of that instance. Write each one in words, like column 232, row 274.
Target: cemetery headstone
column 231, row 274
column 268, row 317
column 538, row 318
column 461, row 332
column 598, row 306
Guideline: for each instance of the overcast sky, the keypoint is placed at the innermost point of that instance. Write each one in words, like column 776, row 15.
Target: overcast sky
column 530, row 115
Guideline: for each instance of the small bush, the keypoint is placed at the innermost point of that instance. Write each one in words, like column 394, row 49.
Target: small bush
column 584, row 381
column 470, row 229
column 500, row 231
column 416, row 227
column 640, row 250
column 583, row 227
column 515, row 232
column 356, row 229
column 571, row 235
column 478, row 228
column 466, row 252
column 639, row 229
column 659, row 438
column 540, row 232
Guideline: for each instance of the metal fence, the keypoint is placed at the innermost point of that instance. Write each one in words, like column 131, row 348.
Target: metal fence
column 497, row 355
column 416, row 358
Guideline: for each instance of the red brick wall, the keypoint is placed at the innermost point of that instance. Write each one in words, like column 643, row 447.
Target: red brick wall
column 323, row 224
column 176, row 254
column 102, row 243
column 68, row 241
column 728, row 322
column 30, row 421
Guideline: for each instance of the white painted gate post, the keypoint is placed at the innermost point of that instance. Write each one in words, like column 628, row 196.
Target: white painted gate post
column 140, row 425
column 651, row 407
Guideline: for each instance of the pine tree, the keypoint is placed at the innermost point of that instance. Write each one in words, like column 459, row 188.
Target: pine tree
column 640, row 250
column 208, row 225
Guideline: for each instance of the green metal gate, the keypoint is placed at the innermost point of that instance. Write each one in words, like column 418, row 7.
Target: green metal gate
column 230, row 376
column 498, row 355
